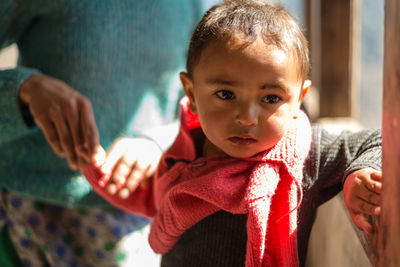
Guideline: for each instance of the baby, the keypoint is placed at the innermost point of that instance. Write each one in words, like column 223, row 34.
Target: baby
column 242, row 182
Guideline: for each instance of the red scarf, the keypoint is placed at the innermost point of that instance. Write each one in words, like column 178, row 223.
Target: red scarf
column 264, row 186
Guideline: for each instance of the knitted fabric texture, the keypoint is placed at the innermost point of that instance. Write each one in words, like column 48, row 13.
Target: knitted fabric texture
column 123, row 55
column 264, row 186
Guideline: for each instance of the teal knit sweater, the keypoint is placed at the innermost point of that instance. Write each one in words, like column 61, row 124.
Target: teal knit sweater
column 124, row 55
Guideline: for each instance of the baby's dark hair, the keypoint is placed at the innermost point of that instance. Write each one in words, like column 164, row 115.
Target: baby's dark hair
column 248, row 20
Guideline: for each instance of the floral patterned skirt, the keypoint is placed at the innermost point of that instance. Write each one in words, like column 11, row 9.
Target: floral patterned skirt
column 50, row 235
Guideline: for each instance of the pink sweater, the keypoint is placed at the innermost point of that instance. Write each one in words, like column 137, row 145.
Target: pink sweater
column 264, row 186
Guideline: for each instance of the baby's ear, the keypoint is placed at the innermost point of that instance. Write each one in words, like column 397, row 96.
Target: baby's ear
column 304, row 90
column 187, row 84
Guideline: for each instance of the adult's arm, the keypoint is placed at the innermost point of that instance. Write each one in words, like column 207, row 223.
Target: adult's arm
column 29, row 98
column 15, row 120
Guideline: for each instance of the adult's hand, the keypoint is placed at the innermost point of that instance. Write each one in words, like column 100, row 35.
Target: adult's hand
column 64, row 115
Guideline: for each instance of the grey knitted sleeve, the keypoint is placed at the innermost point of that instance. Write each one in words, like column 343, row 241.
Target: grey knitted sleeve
column 333, row 157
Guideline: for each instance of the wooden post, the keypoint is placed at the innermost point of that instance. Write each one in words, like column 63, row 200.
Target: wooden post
column 339, row 64
column 389, row 230
column 312, row 15
column 333, row 31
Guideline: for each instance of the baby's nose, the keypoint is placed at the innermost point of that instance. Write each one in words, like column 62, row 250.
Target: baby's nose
column 247, row 116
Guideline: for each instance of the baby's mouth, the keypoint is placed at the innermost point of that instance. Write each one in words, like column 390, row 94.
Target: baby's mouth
column 242, row 141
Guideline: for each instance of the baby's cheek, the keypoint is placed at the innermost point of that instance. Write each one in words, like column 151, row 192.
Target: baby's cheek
column 213, row 130
column 277, row 125
column 273, row 131
column 214, row 120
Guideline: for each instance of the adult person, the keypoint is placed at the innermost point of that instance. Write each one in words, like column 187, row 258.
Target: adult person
column 88, row 72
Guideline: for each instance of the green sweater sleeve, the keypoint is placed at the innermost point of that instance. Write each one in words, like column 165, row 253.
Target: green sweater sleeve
column 15, row 119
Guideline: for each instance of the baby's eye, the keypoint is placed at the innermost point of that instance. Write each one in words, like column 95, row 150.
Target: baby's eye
column 271, row 99
column 225, row 94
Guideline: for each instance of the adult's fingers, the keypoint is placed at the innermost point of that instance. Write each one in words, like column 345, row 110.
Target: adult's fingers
column 52, row 100
column 88, row 124
column 50, row 133
column 71, row 114
column 64, row 135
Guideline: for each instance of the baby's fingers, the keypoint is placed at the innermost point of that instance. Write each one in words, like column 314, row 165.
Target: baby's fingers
column 134, row 179
column 112, row 188
column 376, row 175
column 375, row 184
column 121, row 171
column 114, row 155
column 362, row 206
column 375, row 187
column 362, row 222
column 370, row 197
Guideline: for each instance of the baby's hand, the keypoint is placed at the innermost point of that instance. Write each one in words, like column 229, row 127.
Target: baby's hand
column 361, row 192
column 127, row 165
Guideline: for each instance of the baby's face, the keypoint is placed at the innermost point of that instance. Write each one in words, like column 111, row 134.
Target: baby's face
column 245, row 96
